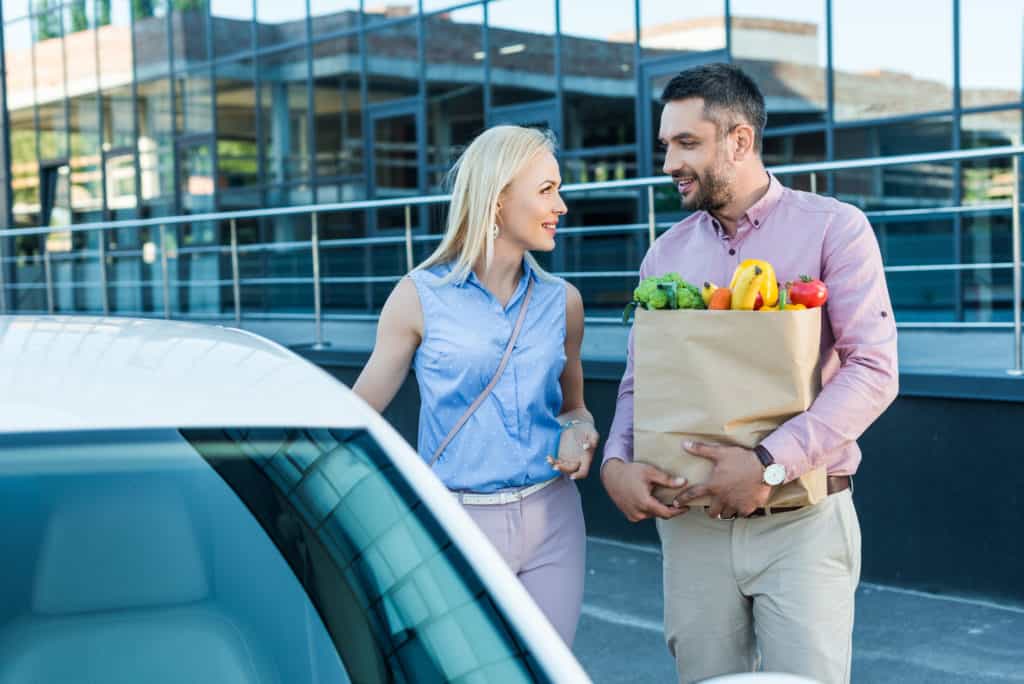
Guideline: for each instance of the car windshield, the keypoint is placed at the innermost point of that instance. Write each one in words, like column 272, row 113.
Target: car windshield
column 233, row 555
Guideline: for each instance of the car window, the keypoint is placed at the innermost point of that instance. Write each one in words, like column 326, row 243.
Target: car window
column 290, row 554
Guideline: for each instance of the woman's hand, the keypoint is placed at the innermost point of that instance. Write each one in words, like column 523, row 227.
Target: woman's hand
column 575, row 450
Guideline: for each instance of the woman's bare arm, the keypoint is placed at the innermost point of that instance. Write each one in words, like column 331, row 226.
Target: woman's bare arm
column 399, row 332
column 577, row 444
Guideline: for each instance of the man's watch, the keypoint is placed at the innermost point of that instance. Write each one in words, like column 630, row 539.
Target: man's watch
column 774, row 473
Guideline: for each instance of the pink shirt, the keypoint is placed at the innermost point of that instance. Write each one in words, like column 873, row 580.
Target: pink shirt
column 799, row 234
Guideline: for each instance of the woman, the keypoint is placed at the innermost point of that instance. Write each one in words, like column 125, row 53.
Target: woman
column 452, row 319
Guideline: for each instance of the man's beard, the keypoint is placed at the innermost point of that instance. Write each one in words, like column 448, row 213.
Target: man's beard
column 712, row 193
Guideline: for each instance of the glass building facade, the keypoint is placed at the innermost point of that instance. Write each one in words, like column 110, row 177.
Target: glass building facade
column 146, row 108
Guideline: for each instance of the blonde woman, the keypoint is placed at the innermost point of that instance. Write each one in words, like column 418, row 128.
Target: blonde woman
column 503, row 425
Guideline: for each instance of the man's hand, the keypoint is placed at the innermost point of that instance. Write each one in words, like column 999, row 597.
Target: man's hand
column 736, row 485
column 630, row 484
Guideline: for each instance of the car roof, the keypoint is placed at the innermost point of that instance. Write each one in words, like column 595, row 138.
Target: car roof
column 83, row 372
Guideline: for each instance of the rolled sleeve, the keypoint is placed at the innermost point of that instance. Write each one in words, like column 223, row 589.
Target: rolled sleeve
column 860, row 313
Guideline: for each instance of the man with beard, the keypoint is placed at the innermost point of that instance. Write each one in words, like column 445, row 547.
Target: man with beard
column 742, row 586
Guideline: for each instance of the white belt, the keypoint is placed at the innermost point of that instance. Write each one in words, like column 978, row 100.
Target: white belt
column 499, row 498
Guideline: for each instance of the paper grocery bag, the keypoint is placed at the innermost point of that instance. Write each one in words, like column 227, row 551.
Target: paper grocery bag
column 722, row 377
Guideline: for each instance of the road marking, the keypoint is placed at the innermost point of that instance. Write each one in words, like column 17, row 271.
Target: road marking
column 642, row 548
column 621, row 619
column 652, row 549
column 940, row 597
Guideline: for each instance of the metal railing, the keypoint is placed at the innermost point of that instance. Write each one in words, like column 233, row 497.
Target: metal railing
column 315, row 244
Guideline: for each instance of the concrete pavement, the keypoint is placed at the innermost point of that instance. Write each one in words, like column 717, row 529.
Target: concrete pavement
column 899, row 636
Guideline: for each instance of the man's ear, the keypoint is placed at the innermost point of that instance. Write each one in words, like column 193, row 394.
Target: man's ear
column 743, row 135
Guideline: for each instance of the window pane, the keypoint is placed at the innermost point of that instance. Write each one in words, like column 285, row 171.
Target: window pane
column 783, row 48
column 398, row 9
column 118, row 129
column 152, row 50
column 280, row 22
column 522, row 51
column 284, row 107
column 15, row 8
column 237, row 144
column 232, row 26
column 796, row 149
column 392, row 59
column 329, row 16
column 86, row 170
column 339, row 124
column 669, row 27
column 170, row 549
column 115, row 44
column 189, row 26
column 24, row 168
column 121, row 184
column 598, row 76
column 156, row 128
column 403, row 593
column 18, row 64
column 896, row 75
column 194, row 102
column 919, row 295
column 988, row 293
column 896, row 187
column 455, row 94
column 989, row 180
column 50, row 90
column 990, row 36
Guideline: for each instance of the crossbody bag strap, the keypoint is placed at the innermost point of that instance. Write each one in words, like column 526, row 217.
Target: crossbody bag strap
column 494, row 381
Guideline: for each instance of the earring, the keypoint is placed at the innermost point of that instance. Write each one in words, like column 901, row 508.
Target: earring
column 495, row 231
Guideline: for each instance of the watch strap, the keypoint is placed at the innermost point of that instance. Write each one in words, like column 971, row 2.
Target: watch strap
column 764, row 456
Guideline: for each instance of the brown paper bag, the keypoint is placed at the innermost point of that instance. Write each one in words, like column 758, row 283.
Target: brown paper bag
column 722, row 377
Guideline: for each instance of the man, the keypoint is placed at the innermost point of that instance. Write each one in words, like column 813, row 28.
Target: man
column 740, row 583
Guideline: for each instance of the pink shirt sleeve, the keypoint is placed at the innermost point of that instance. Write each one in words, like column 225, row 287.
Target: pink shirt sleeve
column 867, row 381
column 620, row 437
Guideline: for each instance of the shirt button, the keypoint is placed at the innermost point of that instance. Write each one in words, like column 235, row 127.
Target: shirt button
column 732, row 252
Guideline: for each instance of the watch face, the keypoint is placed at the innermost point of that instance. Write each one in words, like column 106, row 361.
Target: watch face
column 775, row 474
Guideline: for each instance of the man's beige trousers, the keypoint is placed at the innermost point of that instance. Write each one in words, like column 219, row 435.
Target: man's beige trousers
column 780, row 587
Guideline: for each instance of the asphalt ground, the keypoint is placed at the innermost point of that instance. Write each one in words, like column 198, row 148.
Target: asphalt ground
column 899, row 635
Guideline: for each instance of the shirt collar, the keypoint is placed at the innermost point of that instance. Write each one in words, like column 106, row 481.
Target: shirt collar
column 470, row 277
column 759, row 210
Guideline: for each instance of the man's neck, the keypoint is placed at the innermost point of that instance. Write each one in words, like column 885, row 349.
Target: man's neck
column 750, row 187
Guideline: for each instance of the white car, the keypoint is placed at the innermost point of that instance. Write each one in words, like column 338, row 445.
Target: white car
column 192, row 503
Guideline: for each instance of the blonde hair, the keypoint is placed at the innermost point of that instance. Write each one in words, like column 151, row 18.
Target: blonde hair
column 477, row 179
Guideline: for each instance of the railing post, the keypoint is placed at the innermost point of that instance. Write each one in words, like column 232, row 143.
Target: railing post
column 236, row 285
column 814, row 183
column 1017, row 369
column 48, row 274
column 408, row 237
column 104, row 294
column 318, row 340
column 651, row 226
column 165, row 274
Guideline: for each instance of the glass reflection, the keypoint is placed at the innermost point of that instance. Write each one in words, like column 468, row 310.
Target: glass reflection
column 522, row 45
column 895, row 76
column 669, row 27
column 990, row 36
column 280, row 22
column 231, row 22
column 189, row 30
column 330, row 16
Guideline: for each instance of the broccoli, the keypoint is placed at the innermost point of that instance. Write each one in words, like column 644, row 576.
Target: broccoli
column 668, row 291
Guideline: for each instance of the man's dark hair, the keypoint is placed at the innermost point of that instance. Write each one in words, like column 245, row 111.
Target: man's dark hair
column 730, row 96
